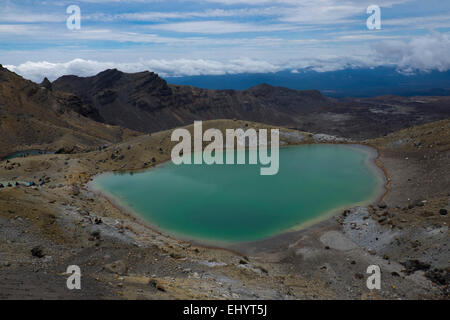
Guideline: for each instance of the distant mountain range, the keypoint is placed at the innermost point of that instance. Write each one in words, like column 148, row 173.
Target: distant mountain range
column 343, row 83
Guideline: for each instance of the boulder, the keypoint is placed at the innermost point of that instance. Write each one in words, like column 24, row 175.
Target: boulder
column 382, row 205
column 176, row 256
column 98, row 221
column 156, row 285
column 37, row 252
column 438, row 276
column 419, row 203
column 119, row 267
column 359, row 276
column 75, row 190
column 96, row 234
column 412, row 266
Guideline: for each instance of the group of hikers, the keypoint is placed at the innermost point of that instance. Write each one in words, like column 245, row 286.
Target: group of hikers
column 17, row 184
column 23, row 154
column 20, row 155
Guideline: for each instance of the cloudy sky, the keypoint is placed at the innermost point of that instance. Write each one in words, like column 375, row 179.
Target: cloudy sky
column 184, row 37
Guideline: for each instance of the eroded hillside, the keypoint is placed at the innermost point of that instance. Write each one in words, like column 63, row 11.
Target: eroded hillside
column 32, row 115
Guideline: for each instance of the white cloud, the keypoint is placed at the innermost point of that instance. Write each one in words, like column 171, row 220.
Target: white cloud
column 208, row 13
column 27, row 17
column 425, row 53
column 19, row 29
column 321, row 12
column 36, row 71
column 217, row 27
column 436, row 21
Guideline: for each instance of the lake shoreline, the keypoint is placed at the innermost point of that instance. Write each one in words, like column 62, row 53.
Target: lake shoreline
column 373, row 155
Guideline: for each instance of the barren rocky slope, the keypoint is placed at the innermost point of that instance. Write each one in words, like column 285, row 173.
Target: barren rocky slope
column 32, row 114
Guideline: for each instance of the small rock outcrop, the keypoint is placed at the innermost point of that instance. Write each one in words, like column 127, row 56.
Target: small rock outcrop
column 46, row 84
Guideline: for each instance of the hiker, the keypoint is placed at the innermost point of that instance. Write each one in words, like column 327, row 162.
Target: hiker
column 1, row 186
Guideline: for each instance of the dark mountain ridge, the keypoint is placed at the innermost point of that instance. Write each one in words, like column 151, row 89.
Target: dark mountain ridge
column 145, row 102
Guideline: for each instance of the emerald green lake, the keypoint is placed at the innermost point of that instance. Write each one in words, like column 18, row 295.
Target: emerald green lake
column 234, row 203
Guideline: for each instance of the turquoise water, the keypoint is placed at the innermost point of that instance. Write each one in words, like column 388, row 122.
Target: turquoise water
column 234, row 203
